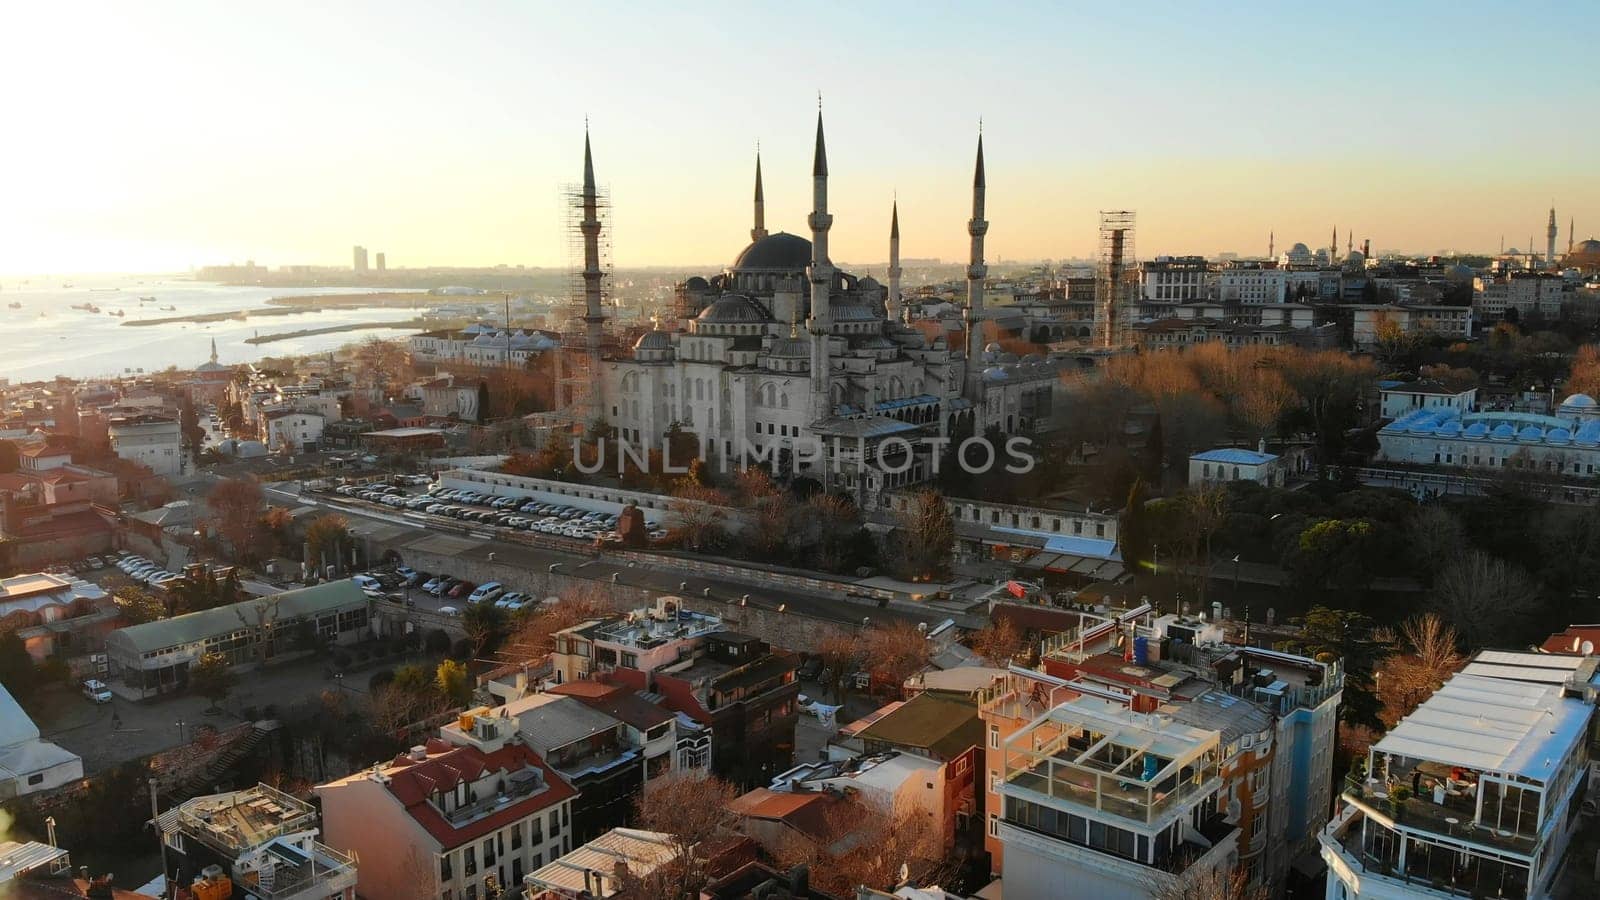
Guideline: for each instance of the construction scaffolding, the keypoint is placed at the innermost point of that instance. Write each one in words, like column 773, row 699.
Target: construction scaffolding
column 587, row 210
column 1116, row 280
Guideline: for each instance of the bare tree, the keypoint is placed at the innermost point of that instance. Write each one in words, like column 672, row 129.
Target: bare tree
column 699, row 513
column 999, row 642
column 1426, row 653
column 863, row 844
column 897, row 651
column 693, row 809
column 1483, row 595
column 235, row 507
column 927, row 536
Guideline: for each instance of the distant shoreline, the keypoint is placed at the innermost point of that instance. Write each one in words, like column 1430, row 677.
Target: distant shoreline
column 418, row 324
column 375, row 298
column 240, row 314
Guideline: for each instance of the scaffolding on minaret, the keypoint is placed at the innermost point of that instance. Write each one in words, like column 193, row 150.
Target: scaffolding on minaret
column 1116, row 280
column 582, row 328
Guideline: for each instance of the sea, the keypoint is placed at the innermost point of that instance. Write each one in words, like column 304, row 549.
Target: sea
column 46, row 337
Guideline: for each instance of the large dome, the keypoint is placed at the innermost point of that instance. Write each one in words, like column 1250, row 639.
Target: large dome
column 781, row 252
column 1589, row 246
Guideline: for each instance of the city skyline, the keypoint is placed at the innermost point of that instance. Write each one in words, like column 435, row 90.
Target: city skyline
column 321, row 129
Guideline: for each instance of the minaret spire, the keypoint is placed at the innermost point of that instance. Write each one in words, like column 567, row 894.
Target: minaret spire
column 760, row 229
column 593, row 314
column 213, row 351
column 1550, row 239
column 820, row 274
column 1272, row 244
column 893, row 304
column 976, row 272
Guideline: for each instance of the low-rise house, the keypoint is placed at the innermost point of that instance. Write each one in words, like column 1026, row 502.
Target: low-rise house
column 258, row 843
column 55, row 615
column 1397, row 398
column 1237, row 464
column 153, row 440
column 603, row 867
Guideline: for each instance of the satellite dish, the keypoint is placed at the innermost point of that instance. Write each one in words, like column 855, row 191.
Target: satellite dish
column 1588, row 648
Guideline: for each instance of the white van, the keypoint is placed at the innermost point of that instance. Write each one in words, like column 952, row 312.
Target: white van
column 96, row 691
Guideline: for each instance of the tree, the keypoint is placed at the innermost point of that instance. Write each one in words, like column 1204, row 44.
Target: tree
column 326, row 539
column 1488, row 598
column 533, row 638
column 896, row 652
column 485, row 625
column 453, row 683
column 212, row 678
column 999, row 642
column 1425, row 654
column 692, row 810
column 927, row 537
column 1584, row 379
column 18, row 673
column 483, row 401
column 861, row 843
column 235, row 506
column 10, row 457
column 1133, row 529
column 698, row 511
column 842, row 654
column 436, row 643
column 194, row 436
column 1333, row 553
column 1328, row 634
column 1432, row 534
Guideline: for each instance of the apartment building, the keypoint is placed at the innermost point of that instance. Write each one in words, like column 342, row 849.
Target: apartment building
column 1174, row 279
column 590, row 749
column 259, row 843
column 150, row 439
column 1253, row 284
column 461, row 817
column 1477, row 793
column 1117, row 803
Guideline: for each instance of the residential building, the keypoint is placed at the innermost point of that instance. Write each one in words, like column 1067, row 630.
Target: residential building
column 589, row 749
column 1397, row 398
column 259, row 843
column 1252, row 284
column 650, row 727
column 1117, row 803
column 29, row 764
column 1237, row 464
column 1476, row 793
column 1370, row 323
column 443, row 398
column 154, row 658
column 290, row 431
column 739, row 690
column 457, row 821
column 150, row 439
column 759, row 880
column 604, row 866
column 1173, row 279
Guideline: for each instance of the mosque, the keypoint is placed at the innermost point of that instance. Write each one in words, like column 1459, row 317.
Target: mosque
column 783, row 357
column 1567, row 443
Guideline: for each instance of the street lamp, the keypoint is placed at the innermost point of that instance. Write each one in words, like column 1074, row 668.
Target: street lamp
column 180, row 723
column 1236, row 578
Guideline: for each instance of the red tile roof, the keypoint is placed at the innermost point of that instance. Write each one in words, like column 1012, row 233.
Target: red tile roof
column 616, row 701
column 804, row 812
column 1571, row 640
column 34, row 451
column 413, row 781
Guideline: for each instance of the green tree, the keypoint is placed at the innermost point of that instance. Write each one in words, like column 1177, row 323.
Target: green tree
column 436, row 643
column 212, row 678
column 1333, row 553
column 483, row 401
column 452, row 681
column 1133, row 531
column 412, row 679
column 1328, row 634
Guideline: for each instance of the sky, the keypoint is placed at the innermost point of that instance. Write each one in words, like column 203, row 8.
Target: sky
column 163, row 135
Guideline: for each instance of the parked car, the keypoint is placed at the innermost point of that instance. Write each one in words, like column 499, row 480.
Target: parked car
column 486, row 591
column 435, row 584
column 810, row 669
column 407, row 574
column 449, row 611
column 459, row 590
column 96, row 691
column 367, row 582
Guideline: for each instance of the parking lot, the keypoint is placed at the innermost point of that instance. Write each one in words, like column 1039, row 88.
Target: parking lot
column 556, row 519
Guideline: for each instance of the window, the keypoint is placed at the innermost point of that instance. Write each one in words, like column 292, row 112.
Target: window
column 469, row 858
column 994, row 825
column 445, row 869
column 516, row 836
column 488, row 853
column 36, row 779
column 994, row 737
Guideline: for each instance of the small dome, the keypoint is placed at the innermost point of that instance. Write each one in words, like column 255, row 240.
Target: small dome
column 1558, row 436
column 653, row 340
column 991, row 347
column 732, row 310
column 867, row 282
column 1450, row 428
column 1476, row 430
column 1459, row 272
column 1299, row 248
column 781, row 252
column 696, row 283
column 1579, row 401
column 1503, row 432
column 994, row 373
column 1531, row 434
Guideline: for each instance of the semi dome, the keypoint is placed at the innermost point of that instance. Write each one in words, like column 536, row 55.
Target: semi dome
column 696, row 283
column 791, row 348
column 781, row 252
column 732, row 310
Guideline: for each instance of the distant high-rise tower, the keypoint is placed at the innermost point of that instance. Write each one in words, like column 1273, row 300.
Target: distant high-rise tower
column 359, row 255
column 1550, row 234
column 1115, row 280
column 1572, row 233
column 383, row 265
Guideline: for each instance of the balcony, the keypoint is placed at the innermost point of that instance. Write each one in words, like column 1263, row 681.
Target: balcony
column 294, row 873
column 1367, row 844
column 1455, row 817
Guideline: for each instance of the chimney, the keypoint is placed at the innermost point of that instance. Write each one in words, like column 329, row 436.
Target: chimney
column 800, row 881
column 1261, row 446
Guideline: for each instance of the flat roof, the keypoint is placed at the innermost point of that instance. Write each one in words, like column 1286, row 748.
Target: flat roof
column 1493, row 725
column 405, row 432
column 641, row 852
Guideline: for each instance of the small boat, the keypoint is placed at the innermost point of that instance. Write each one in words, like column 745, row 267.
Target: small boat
column 14, row 305
column 169, row 309
column 104, row 290
column 147, row 299
column 116, row 312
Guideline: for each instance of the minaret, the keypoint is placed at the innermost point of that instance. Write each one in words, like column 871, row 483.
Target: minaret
column 976, row 272
column 820, row 275
column 1572, row 233
column 1272, row 245
column 760, row 231
column 894, row 263
column 593, row 315
column 1333, row 248
column 1550, row 235
column 1349, row 242
column 213, row 351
